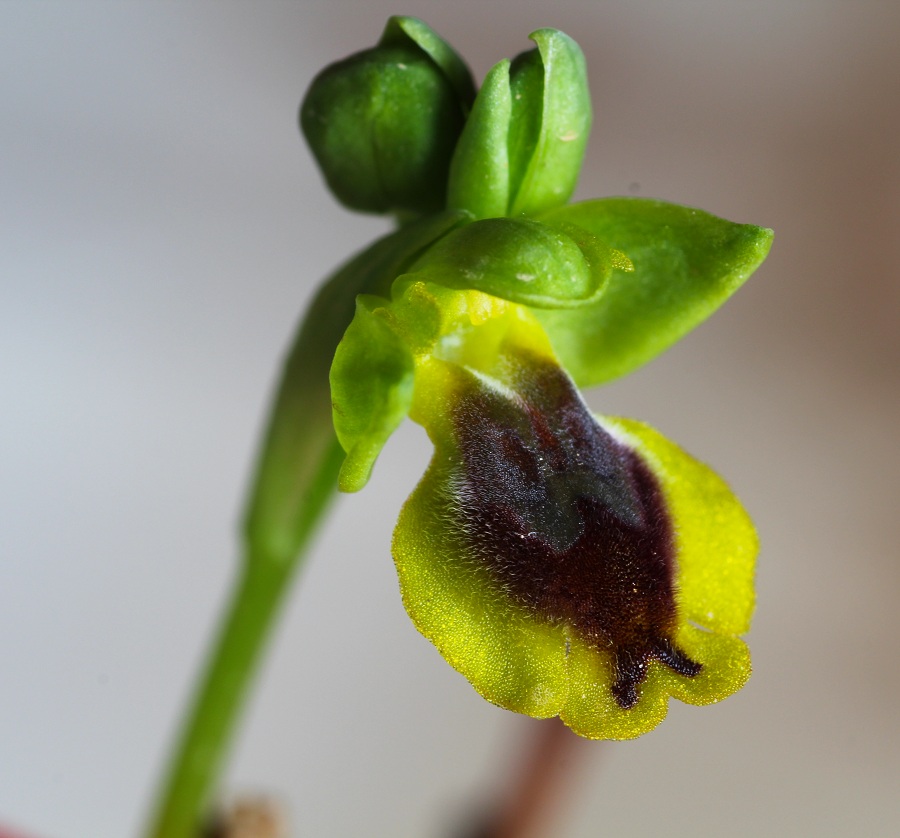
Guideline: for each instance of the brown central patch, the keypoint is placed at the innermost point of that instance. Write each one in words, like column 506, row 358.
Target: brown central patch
column 569, row 522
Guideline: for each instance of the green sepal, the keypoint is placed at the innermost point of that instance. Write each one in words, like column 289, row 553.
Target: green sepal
column 290, row 458
column 547, row 151
column 372, row 375
column 479, row 171
column 555, row 265
column 371, row 389
column 686, row 264
column 367, row 371
column 402, row 29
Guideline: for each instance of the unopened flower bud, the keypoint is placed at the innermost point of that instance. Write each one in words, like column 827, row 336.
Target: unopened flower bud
column 384, row 122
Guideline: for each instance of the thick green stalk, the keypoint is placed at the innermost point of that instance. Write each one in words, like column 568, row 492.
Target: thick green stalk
column 295, row 479
column 254, row 606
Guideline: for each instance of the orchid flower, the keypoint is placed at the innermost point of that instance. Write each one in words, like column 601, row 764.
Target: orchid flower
column 567, row 564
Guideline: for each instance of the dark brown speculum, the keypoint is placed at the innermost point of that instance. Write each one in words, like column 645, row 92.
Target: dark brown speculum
column 568, row 521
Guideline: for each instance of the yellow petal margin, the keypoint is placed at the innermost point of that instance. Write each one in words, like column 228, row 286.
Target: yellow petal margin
column 525, row 664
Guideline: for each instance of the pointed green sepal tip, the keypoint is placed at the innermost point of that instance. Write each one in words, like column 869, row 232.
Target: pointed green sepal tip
column 686, row 263
column 567, row 564
column 370, row 370
column 523, row 144
column 384, row 122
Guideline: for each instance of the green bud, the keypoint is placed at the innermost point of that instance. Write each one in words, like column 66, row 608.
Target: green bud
column 383, row 123
column 522, row 147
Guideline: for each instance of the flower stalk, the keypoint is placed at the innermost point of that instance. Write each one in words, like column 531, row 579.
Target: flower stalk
column 296, row 480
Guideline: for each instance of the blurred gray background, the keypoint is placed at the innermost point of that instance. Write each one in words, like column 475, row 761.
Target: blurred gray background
column 161, row 228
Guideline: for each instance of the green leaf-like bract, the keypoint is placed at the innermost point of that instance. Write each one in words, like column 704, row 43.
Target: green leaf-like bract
column 479, row 171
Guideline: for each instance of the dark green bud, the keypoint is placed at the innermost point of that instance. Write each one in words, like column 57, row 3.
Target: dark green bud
column 384, row 122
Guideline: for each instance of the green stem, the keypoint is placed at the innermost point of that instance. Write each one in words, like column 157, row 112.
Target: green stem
column 234, row 659
column 230, row 670
column 295, row 479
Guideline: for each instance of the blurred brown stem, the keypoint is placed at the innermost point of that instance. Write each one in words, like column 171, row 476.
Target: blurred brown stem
column 539, row 786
